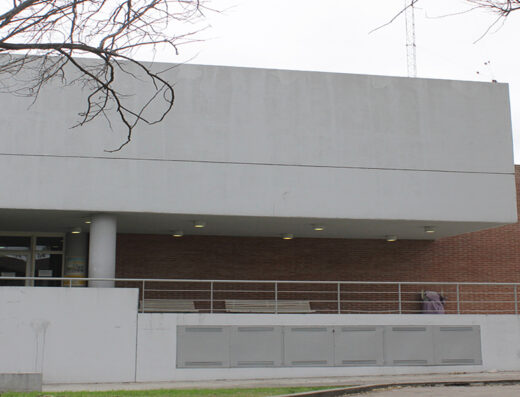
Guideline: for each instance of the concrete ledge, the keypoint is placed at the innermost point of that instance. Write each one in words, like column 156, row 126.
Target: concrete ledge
column 21, row 382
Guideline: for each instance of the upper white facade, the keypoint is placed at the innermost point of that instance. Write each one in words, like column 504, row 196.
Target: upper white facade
column 262, row 152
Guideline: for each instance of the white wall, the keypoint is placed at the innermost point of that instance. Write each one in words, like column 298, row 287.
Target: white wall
column 70, row 335
column 156, row 355
column 82, row 335
column 246, row 190
column 273, row 143
column 233, row 114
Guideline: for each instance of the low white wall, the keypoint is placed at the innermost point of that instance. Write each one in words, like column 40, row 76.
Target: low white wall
column 156, row 353
column 70, row 335
column 82, row 335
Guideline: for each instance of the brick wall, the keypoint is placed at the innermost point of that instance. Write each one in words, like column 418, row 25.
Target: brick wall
column 486, row 256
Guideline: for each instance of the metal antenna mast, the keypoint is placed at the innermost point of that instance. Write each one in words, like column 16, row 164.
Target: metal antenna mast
column 411, row 56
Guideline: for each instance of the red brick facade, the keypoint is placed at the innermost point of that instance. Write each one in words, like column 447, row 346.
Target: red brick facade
column 486, row 256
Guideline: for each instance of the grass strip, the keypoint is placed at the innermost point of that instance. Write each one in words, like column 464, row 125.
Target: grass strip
column 255, row 392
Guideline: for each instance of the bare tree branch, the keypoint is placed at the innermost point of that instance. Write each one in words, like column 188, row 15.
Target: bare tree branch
column 49, row 37
column 401, row 12
column 503, row 8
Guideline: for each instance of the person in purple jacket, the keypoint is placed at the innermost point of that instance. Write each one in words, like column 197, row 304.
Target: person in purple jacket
column 432, row 303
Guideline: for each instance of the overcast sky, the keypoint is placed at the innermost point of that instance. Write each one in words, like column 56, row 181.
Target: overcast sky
column 334, row 35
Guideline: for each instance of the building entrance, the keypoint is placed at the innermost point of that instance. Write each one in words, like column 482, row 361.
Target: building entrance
column 31, row 255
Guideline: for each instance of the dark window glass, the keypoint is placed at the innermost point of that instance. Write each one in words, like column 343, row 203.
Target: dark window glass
column 49, row 243
column 47, row 265
column 12, row 266
column 15, row 243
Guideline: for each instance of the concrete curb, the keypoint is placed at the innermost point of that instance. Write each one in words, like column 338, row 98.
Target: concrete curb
column 21, row 382
column 338, row 392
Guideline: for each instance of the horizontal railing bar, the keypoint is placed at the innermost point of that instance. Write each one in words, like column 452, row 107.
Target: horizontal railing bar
column 244, row 290
column 367, row 311
column 314, row 292
column 194, row 300
column 299, row 291
column 318, row 292
column 177, row 290
column 258, row 281
column 486, row 293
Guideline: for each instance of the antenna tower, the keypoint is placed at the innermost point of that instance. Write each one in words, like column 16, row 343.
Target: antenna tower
column 411, row 56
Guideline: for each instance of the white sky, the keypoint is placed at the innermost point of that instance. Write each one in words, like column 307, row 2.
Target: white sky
column 333, row 35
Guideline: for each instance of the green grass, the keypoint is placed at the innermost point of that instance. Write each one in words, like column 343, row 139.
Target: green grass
column 257, row 392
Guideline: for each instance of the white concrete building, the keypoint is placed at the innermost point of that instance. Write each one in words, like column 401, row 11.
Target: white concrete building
column 263, row 152
column 252, row 153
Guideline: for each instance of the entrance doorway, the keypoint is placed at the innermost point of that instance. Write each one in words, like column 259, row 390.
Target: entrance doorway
column 31, row 255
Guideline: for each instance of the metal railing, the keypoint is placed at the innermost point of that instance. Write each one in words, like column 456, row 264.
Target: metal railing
column 277, row 296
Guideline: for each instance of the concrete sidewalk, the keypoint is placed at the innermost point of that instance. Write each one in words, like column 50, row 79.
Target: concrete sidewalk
column 453, row 391
column 253, row 383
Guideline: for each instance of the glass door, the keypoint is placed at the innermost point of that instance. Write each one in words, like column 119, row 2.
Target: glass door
column 48, row 260
column 24, row 255
column 15, row 259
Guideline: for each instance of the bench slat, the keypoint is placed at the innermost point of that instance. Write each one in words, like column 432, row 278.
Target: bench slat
column 267, row 306
column 168, row 305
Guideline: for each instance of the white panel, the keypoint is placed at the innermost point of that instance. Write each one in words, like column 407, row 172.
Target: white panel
column 408, row 345
column 202, row 346
column 256, row 346
column 457, row 345
column 358, row 345
column 310, row 346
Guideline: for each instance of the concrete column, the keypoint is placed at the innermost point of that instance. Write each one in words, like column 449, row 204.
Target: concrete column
column 102, row 249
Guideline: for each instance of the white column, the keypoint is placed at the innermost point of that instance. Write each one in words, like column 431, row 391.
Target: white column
column 102, row 249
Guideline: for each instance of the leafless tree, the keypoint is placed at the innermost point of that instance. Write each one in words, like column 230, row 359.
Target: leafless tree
column 502, row 9
column 49, row 40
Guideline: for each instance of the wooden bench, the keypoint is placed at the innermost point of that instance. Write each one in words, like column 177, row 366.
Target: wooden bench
column 167, row 305
column 267, row 306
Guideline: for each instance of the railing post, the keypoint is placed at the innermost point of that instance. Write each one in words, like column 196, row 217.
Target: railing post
column 516, row 300
column 142, row 297
column 458, row 299
column 339, row 298
column 276, row 297
column 400, row 303
column 211, row 297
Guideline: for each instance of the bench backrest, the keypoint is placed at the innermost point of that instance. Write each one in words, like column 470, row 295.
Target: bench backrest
column 168, row 305
column 267, row 306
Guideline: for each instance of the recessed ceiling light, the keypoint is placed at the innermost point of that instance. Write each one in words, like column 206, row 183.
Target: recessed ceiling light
column 391, row 238
column 287, row 236
column 199, row 224
column 178, row 233
column 429, row 229
column 75, row 230
column 318, row 228
column 88, row 221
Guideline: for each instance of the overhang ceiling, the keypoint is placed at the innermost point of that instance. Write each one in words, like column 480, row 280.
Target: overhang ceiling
column 153, row 223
